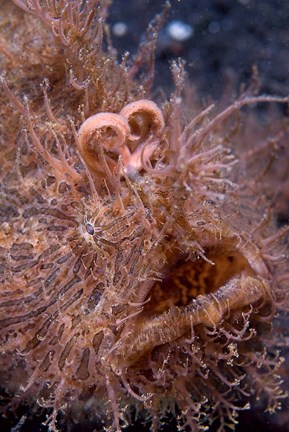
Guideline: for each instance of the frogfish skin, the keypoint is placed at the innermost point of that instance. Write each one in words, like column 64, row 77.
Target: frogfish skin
column 141, row 268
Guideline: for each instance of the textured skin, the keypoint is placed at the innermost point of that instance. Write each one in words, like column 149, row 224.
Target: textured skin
column 151, row 285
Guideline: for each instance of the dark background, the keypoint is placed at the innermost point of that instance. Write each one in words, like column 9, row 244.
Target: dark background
column 229, row 38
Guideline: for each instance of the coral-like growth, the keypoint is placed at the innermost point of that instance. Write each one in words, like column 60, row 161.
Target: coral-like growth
column 140, row 265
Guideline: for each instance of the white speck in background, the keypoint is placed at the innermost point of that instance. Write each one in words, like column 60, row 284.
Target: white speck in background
column 119, row 29
column 179, row 31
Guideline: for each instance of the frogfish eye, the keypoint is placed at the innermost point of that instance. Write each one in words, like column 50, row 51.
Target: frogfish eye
column 89, row 228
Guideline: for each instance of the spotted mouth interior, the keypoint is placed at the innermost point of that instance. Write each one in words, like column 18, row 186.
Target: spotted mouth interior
column 189, row 279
